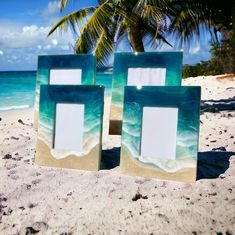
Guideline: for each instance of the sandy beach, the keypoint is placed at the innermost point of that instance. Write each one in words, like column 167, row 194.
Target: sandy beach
column 44, row 200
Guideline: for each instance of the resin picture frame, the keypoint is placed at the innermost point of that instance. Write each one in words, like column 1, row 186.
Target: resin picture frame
column 141, row 69
column 160, row 132
column 63, row 70
column 70, row 126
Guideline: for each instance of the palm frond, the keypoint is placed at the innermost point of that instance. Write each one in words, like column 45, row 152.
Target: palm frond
column 186, row 21
column 152, row 13
column 156, row 36
column 120, row 32
column 104, row 47
column 160, row 36
column 84, row 43
column 63, row 4
column 101, row 17
column 96, row 31
column 101, row 1
column 72, row 19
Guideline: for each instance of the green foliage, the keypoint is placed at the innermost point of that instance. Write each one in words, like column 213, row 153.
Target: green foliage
column 201, row 68
column 221, row 62
column 100, row 28
column 223, row 53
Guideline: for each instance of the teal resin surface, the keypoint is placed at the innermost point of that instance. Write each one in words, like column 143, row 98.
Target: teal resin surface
column 87, row 63
column 91, row 96
column 172, row 61
column 187, row 100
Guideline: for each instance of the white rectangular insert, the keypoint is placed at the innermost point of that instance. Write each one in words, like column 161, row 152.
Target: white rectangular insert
column 65, row 76
column 69, row 124
column 159, row 131
column 146, row 77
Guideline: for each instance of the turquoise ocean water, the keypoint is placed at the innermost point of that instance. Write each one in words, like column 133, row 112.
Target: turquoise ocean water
column 17, row 88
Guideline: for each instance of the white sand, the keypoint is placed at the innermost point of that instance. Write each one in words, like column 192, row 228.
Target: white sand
column 61, row 201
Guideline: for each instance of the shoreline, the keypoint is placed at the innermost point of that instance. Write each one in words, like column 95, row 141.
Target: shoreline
column 18, row 114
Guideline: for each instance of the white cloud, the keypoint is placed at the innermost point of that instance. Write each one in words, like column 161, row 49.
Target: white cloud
column 21, row 44
column 51, row 14
column 65, row 47
column 33, row 36
column 47, row 47
column 7, row 26
column 54, row 41
column 27, row 36
column 52, row 8
column 30, row 29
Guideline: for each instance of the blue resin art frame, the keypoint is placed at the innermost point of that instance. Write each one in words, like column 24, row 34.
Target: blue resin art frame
column 92, row 98
column 85, row 62
column 187, row 100
column 172, row 61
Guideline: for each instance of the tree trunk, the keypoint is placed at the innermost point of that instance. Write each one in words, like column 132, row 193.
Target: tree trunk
column 134, row 33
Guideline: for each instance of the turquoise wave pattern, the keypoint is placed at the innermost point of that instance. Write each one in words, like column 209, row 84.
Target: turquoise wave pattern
column 172, row 61
column 187, row 99
column 91, row 96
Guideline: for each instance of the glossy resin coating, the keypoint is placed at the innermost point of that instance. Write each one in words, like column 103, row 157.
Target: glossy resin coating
column 86, row 63
column 91, row 97
column 171, row 61
column 183, row 165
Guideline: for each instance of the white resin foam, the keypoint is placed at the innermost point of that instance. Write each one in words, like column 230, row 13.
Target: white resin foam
column 65, row 77
column 146, row 77
column 69, row 124
column 159, row 130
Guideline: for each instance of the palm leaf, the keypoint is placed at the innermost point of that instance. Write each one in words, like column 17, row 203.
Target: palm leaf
column 104, row 47
column 101, row 17
column 63, row 4
column 186, row 20
column 155, row 35
column 95, row 31
column 152, row 13
column 120, row 32
column 72, row 19
column 84, row 44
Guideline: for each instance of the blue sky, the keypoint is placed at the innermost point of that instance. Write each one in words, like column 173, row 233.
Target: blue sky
column 23, row 34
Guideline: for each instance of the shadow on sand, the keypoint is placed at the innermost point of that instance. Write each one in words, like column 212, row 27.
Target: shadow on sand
column 110, row 158
column 215, row 106
column 210, row 164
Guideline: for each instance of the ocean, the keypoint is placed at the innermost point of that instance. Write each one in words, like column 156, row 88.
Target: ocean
column 17, row 88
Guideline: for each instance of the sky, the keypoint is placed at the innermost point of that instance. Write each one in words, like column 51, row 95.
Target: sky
column 24, row 25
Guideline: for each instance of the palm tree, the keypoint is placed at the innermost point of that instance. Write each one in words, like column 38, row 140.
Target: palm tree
column 216, row 16
column 101, row 27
